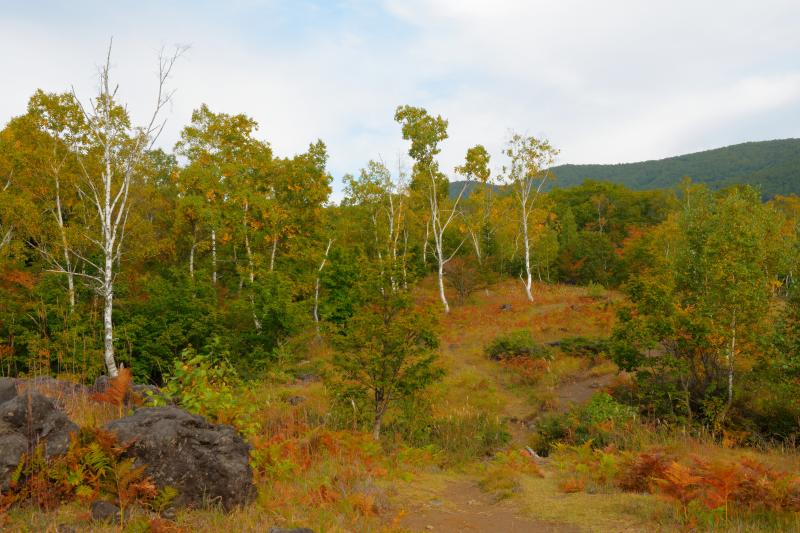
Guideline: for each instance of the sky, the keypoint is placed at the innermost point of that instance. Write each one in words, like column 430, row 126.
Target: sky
column 606, row 82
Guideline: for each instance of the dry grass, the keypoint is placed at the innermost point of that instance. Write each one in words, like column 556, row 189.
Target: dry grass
column 310, row 476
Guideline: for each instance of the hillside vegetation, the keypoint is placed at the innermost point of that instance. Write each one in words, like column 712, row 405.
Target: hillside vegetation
column 771, row 166
column 585, row 358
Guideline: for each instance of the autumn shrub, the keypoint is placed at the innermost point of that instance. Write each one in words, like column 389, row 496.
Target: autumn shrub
column 582, row 467
column 639, row 471
column 524, row 370
column 92, row 468
column 316, row 471
column 602, row 421
column 595, row 290
column 592, row 348
column 516, row 344
column 462, row 277
column 468, row 436
column 707, row 492
column 206, row 384
column 550, row 429
column 502, row 474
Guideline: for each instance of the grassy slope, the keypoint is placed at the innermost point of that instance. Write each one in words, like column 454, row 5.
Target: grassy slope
column 375, row 491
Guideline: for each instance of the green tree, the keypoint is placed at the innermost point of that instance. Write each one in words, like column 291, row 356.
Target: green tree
column 699, row 308
column 387, row 350
column 426, row 132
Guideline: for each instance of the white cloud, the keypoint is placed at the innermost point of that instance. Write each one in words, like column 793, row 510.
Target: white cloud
column 611, row 81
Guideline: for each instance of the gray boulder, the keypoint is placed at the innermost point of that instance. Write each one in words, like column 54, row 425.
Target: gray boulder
column 103, row 511
column 8, row 389
column 25, row 421
column 12, row 446
column 206, row 463
column 52, row 387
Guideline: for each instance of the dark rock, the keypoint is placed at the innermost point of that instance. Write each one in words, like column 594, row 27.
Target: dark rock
column 206, row 463
column 12, row 446
column 103, row 511
column 147, row 393
column 25, row 421
column 506, row 307
column 8, row 389
column 306, row 377
column 275, row 529
column 65, row 528
column 36, row 416
column 295, row 400
column 101, row 384
column 170, row 513
column 52, row 387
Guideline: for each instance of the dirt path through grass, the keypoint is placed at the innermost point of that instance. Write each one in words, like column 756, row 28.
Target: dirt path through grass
column 457, row 504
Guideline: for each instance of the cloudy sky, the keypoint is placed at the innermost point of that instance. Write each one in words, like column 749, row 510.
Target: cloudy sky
column 611, row 81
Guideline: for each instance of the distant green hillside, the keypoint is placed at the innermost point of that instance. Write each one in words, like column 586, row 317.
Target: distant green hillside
column 774, row 166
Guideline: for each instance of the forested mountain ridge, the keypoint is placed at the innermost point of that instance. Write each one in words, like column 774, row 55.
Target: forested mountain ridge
column 772, row 166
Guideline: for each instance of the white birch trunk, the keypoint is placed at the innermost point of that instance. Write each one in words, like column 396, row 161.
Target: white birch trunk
column 65, row 247
column 526, row 244
column 123, row 148
column 213, row 257
column 247, row 247
column 191, row 258
column 316, row 285
column 272, row 254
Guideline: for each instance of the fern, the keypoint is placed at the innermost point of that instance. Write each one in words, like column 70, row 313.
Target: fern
column 118, row 390
column 164, row 499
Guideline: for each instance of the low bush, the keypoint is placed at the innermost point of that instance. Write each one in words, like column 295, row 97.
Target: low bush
column 593, row 348
column 466, row 437
column 501, row 475
column 602, row 421
column 206, row 384
column 517, row 344
column 741, row 494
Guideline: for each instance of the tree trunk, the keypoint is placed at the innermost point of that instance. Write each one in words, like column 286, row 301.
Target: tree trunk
column 272, row 255
column 316, row 285
column 214, row 256
column 731, row 354
column 191, row 258
column 108, row 310
column 247, row 247
column 376, row 426
column 441, row 287
column 65, row 248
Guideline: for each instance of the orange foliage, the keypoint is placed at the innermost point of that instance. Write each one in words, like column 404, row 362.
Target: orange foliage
column 572, row 485
column 640, row 471
column 18, row 277
column 119, row 388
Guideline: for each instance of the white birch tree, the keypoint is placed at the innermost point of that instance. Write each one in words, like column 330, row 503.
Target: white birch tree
column 110, row 168
column 529, row 160
column 425, row 133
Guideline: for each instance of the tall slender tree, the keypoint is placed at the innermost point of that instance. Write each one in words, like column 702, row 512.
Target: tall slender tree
column 527, row 171
column 110, row 166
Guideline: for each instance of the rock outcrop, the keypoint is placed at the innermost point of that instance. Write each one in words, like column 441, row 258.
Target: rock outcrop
column 27, row 420
column 208, row 464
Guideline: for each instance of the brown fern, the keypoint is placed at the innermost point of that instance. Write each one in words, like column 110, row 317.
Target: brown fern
column 118, row 389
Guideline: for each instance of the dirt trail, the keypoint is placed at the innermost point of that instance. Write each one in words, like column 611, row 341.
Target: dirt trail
column 455, row 502
column 460, row 505
column 581, row 389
